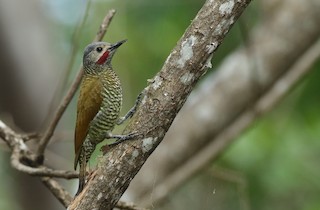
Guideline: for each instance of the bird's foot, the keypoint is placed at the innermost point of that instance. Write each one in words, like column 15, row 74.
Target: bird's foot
column 119, row 138
column 122, row 138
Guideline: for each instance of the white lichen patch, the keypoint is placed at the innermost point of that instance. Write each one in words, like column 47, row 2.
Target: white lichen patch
column 186, row 51
column 144, row 99
column 147, row 144
column 135, row 153
column 186, row 78
column 157, row 82
column 168, row 58
column 227, row 7
column 22, row 145
column 2, row 125
column 211, row 47
column 208, row 62
column 223, row 26
column 118, row 167
column 100, row 195
column 231, row 20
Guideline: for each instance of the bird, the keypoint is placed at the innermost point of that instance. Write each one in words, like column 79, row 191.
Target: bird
column 99, row 104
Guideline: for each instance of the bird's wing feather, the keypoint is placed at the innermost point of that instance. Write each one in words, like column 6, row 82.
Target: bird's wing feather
column 89, row 103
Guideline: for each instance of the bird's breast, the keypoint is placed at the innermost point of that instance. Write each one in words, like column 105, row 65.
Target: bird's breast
column 110, row 108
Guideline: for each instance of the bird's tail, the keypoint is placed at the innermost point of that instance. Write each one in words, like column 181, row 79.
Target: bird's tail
column 82, row 175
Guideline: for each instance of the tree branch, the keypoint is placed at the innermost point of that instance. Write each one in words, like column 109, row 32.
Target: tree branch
column 66, row 100
column 163, row 98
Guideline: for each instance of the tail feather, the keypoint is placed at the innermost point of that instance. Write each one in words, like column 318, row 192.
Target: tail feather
column 82, row 176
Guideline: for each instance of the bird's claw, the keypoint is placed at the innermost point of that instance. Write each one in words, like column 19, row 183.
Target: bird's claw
column 127, row 136
column 121, row 138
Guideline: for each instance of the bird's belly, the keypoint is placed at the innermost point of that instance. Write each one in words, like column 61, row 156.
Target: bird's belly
column 104, row 123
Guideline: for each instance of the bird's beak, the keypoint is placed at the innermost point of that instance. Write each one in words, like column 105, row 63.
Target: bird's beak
column 118, row 44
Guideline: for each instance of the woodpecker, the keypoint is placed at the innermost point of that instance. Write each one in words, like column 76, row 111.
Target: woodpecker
column 99, row 104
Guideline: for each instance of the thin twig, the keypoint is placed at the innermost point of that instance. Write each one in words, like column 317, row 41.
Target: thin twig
column 42, row 170
column 104, row 26
column 75, row 43
column 61, row 194
column 66, row 100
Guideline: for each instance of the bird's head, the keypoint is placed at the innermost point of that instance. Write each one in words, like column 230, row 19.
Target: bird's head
column 98, row 55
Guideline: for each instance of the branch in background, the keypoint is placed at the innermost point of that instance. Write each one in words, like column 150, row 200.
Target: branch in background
column 104, row 25
column 21, row 152
column 41, row 170
column 66, row 100
column 235, row 85
column 219, row 144
column 75, row 44
column 65, row 198
column 55, row 188
column 163, row 98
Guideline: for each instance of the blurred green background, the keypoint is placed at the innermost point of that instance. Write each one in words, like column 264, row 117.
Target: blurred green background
column 273, row 165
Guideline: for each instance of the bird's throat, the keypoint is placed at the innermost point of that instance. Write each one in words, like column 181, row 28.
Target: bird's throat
column 103, row 58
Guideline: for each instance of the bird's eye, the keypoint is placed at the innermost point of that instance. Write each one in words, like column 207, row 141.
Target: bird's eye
column 99, row 49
